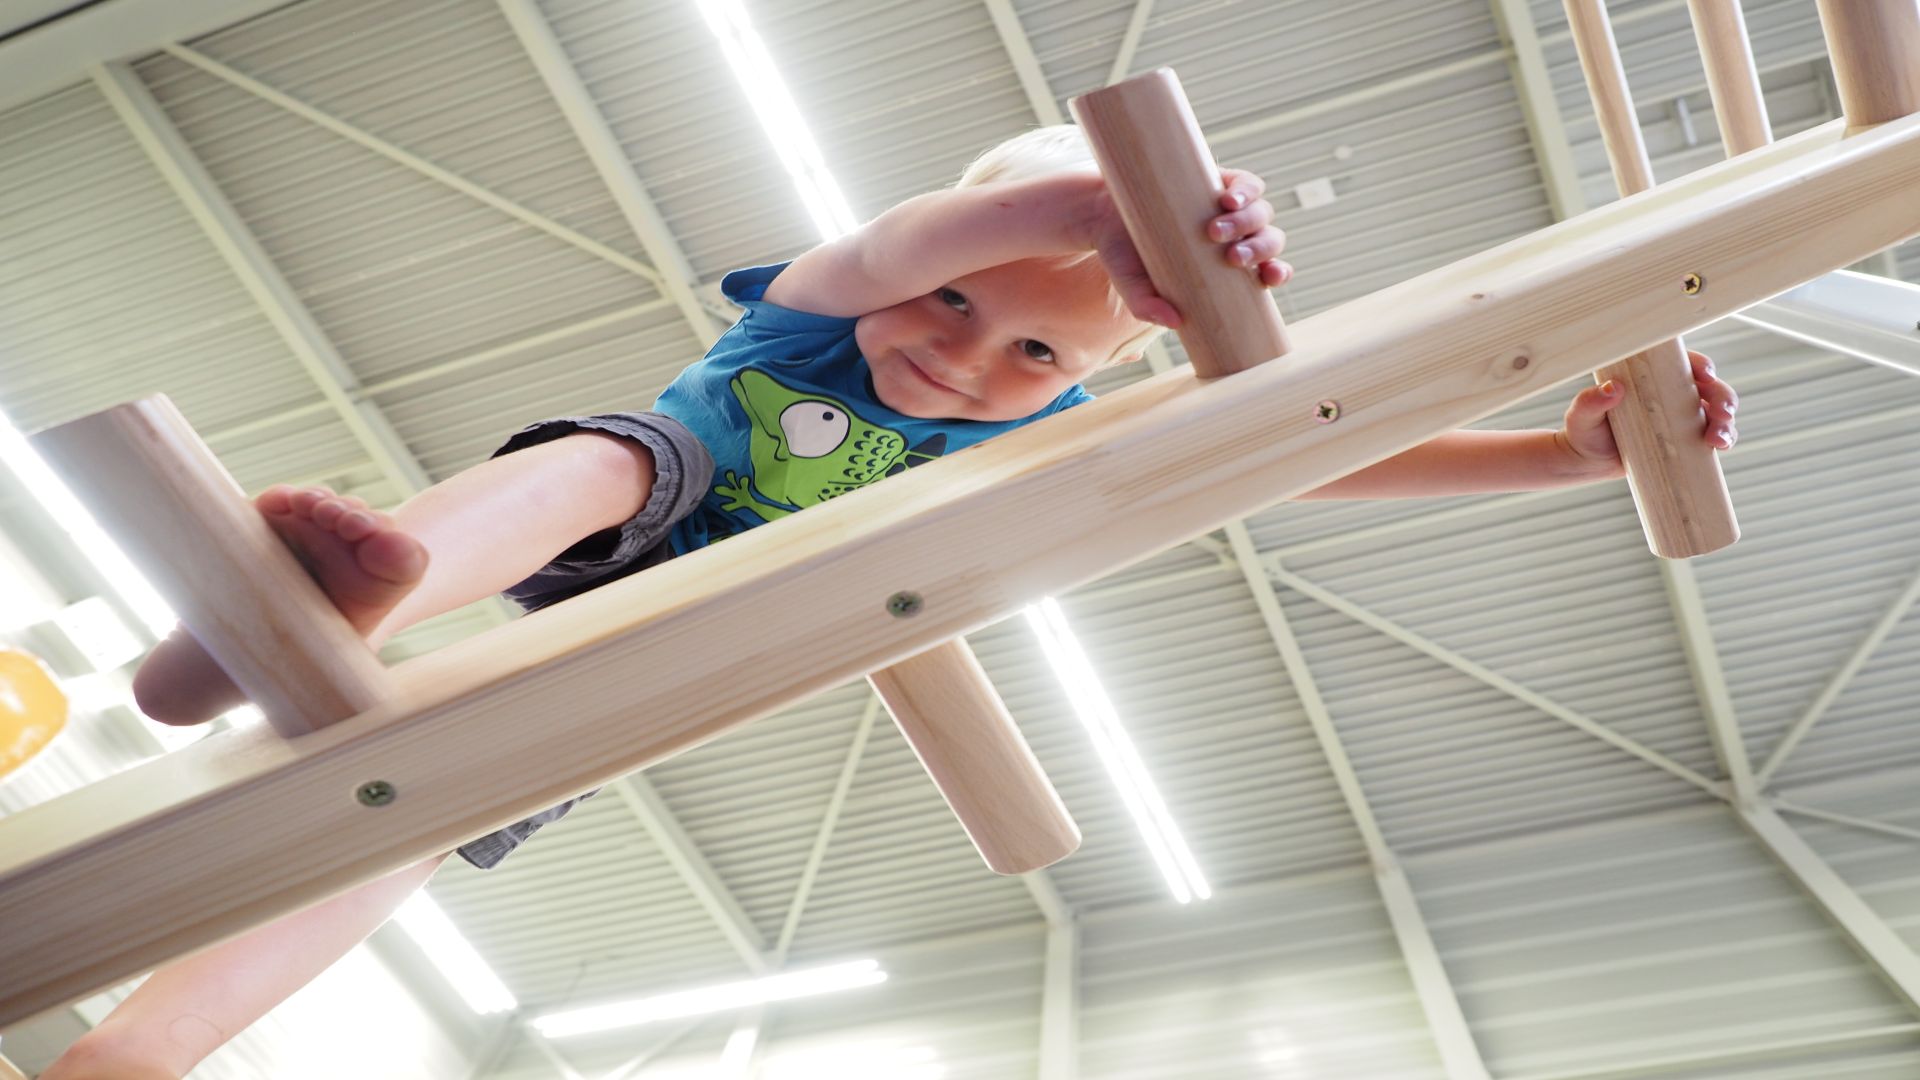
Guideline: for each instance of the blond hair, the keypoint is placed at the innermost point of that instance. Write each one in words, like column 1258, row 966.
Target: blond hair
column 1050, row 151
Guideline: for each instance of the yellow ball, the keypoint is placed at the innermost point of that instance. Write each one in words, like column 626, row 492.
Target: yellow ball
column 32, row 708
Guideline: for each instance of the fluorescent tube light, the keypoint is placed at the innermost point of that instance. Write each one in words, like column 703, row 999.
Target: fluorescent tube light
column 87, row 535
column 710, row 999
column 753, row 68
column 456, row 958
column 1117, row 753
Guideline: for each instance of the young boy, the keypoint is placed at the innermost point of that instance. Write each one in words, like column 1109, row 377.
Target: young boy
column 948, row 319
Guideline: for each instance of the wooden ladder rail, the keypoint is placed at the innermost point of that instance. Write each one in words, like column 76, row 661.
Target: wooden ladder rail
column 199, row 845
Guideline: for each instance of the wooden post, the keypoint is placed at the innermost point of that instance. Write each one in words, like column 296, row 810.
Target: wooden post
column 1673, row 473
column 156, row 487
column 1167, row 186
column 1732, row 79
column 962, row 733
column 1875, row 48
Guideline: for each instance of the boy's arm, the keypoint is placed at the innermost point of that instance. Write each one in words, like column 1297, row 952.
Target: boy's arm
column 1473, row 463
column 927, row 242
column 931, row 239
column 1486, row 462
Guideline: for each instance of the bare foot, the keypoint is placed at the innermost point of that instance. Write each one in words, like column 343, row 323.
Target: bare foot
column 360, row 560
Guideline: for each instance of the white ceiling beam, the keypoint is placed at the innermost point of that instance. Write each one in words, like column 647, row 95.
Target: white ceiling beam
column 60, row 53
column 644, row 801
column 1842, row 819
column 1871, row 317
column 1451, row 1035
column 610, row 158
column 417, row 164
column 1046, row 896
column 1130, row 41
column 1060, row 1003
column 1747, row 1056
column 750, row 1022
column 1842, row 675
column 1366, row 93
column 1025, row 64
column 1709, row 679
column 1878, row 942
column 1499, row 682
column 250, row 263
column 823, row 836
column 1527, row 64
column 1459, row 1057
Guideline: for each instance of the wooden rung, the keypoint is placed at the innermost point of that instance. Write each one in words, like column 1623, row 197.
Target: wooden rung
column 1659, row 424
column 163, row 496
column 1875, row 48
column 201, row 844
column 1733, row 82
column 1167, row 186
column 955, row 721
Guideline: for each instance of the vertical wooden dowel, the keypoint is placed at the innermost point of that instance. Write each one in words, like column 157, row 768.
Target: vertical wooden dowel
column 1167, row 186
column 1659, row 425
column 1875, row 47
column 144, row 473
column 1732, row 79
column 957, row 725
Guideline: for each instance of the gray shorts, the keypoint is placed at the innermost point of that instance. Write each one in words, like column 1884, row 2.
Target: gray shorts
column 682, row 470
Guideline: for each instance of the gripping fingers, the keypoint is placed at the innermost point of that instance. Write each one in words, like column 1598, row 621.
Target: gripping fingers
column 1243, row 223
column 1242, row 187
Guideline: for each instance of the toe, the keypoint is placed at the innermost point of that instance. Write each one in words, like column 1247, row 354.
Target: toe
column 327, row 512
column 277, row 499
column 356, row 525
column 393, row 557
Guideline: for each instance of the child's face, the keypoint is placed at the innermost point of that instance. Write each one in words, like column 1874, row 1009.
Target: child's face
column 999, row 344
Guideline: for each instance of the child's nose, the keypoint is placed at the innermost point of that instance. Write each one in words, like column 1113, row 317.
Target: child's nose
column 961, row 352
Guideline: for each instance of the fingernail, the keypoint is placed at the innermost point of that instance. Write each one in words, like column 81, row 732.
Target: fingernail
column 1237, row 199
column 1608, row 388
column 1222, row 230
column 1242, row 253
column 1726, row 436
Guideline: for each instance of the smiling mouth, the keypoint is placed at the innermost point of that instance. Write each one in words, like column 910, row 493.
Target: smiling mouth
column 926, row 378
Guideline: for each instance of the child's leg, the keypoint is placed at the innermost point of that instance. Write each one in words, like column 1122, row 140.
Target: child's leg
column 483, row 530
column 474, row 534
column 188, row 1009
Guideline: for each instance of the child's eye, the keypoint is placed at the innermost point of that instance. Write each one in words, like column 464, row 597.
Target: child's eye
column 1037, row 350
column 952, row 299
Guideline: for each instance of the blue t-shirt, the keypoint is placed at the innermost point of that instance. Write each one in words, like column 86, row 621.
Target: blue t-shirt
column 785, row 404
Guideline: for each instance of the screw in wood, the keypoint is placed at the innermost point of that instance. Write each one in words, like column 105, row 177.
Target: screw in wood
column 903, row 604
column 1327, row 412
column 1692, row 284
column 375, row 793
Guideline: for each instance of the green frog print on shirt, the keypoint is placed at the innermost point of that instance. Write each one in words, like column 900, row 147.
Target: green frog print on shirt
column 807, row 448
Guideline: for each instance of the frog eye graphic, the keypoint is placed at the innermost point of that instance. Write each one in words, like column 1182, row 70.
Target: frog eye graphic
column 813, row 428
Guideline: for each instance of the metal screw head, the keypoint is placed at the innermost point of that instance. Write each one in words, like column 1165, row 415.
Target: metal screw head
column 903, row 604
column 1692, row 284
column 375, row 793
column 1327, row 412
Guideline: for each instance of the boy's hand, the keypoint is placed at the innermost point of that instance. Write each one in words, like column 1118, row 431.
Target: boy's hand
column 1589, row 438
column 1243, row 230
